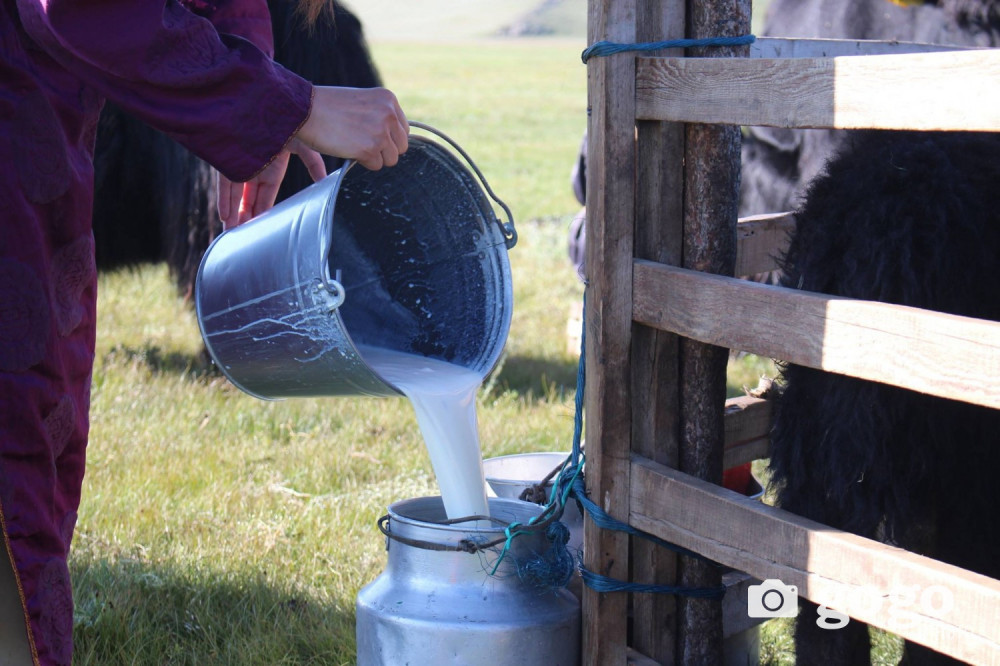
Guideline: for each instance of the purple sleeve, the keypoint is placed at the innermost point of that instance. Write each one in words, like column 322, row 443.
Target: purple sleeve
column 249, row 19
column 216, row 93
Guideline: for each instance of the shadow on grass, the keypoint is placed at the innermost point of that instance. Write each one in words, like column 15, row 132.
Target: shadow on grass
column 540, row 379
column 131, row 612
column 163, row 362
column 535, row 379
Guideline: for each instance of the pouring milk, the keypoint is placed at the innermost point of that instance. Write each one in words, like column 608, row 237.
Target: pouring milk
column 444, row 397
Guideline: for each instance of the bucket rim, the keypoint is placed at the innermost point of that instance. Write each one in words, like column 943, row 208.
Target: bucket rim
column 514, row 509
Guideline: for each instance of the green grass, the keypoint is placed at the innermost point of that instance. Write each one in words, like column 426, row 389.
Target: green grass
column 517, row 106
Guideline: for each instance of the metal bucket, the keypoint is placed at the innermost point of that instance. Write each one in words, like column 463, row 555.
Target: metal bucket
column 436, row 605
column 509, row 476
column 410, row 258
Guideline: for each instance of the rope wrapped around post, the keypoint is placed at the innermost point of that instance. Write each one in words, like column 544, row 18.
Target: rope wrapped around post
column 606, row 48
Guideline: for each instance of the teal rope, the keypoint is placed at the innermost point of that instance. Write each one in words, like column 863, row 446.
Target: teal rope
column 606, row 48
column 570, row 483
column 606, row 584
column 550, row 572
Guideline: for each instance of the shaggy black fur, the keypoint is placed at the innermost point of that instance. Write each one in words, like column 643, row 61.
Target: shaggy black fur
column 779, row 163
column 913, row 219
column 155, row 201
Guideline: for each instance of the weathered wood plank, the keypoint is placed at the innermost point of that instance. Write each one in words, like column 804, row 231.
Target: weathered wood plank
column 610, row 224
column 748, row 428
column 793, row 47
column 922, row 91
column 744, row 452
column 747, row 418
column 944, row 607
column 939, row 354
column 654, row 363
column 760, row 241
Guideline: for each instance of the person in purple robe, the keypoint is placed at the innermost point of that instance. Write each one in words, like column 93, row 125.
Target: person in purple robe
column 199, row 70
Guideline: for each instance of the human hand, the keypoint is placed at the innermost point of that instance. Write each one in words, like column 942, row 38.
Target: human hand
column 362, row 124
column 239, row 202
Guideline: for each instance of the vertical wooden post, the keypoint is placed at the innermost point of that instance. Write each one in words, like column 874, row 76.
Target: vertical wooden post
column 610, row 215
column 655, row 365
column 711, row 197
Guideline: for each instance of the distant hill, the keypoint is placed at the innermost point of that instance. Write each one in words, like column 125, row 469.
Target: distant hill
column 463, row 20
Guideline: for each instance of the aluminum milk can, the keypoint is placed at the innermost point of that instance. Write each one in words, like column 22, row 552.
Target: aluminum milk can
column 436, row 605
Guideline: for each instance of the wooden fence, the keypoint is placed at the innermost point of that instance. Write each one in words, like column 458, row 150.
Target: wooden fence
column 662, row 307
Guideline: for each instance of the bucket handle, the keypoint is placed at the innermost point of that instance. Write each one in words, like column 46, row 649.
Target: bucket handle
column 508, row 230
column 334, row 288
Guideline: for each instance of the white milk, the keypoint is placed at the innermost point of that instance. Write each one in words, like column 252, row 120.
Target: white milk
column 444, row 398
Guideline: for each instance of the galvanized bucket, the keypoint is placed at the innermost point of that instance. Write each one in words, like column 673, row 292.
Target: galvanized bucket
column 512, row 475
column 435, row 604
column 410, row 258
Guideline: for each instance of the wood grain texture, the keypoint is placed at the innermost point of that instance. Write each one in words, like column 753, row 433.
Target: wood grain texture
column 760, row 242
column 793, row 47
column 610, row 224
column 953, row 90
column 944, row 607
column 654, row 354
column 939, row 354
column 748, row 430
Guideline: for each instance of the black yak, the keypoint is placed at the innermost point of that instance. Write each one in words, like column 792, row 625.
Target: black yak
column 913, row 219
column 155, row 201
column 778, row 163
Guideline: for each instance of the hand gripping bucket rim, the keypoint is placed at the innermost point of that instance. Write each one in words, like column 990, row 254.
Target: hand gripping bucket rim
column 425, row 271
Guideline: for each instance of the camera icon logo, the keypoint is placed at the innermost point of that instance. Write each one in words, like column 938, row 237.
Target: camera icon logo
column 772, row 598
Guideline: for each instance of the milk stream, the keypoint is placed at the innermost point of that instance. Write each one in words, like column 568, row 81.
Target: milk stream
column 444, row 398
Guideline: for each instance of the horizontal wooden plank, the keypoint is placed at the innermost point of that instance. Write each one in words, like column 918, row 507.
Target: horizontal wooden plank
column 760, row 241
column 794, row 47
column 939, row 354
column 947, row 608
column 748, row 430
column 744, row 452
column 747, row 419
column 953, row 90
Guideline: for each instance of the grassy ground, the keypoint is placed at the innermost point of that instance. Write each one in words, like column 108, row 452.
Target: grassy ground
column 219, row 529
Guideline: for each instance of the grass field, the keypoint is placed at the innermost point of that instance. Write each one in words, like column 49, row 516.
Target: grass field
column 220, row 529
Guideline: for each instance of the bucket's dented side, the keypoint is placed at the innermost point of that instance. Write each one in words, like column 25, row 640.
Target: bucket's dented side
column 417, row 251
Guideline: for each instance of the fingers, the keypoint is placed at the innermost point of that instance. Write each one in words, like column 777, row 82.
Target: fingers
column 364, row 124
column 262, row 201
column 313, row 162
column 397, row 138
column 229, row 194
column 400, row 133
column 394, row 144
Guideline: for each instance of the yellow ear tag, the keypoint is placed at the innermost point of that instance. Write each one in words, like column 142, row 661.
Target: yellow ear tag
column 907, row 3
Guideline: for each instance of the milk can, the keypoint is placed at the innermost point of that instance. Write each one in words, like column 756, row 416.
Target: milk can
column 437, row 604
